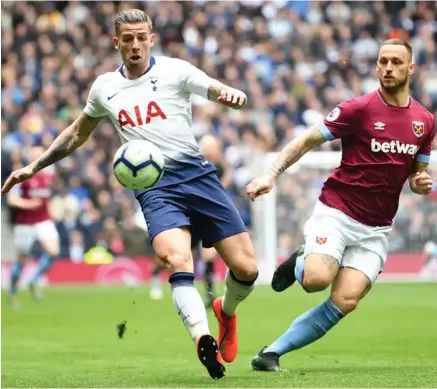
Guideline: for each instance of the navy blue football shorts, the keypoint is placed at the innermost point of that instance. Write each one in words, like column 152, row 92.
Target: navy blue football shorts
column 202, row 204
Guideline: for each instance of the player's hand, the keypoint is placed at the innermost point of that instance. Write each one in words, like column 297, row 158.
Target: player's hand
column 421, row 183
column 260, row 186
column 232, row 98
column 17, row 177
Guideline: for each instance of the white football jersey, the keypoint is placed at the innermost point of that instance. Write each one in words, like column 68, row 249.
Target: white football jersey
column 156, row 107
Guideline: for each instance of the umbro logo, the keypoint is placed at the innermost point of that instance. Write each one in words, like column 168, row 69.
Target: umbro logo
column 110, row 97
column 380, row 126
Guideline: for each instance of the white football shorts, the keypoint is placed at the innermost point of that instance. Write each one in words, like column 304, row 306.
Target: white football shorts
column 25, row 235
column 330, row 231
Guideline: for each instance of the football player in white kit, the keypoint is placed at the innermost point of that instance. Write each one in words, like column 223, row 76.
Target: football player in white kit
column 150, row 98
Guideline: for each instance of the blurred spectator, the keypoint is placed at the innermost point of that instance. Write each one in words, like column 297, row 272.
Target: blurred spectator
column 295, row 60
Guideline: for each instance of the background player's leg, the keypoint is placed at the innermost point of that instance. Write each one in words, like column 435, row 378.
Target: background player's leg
column 24, row 238
column 156, row 292
column 16, row 270
column 173, row 247
column 209, row 255
column 49, row 240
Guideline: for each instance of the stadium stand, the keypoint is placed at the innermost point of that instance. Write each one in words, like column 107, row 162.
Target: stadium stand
column 295, row 60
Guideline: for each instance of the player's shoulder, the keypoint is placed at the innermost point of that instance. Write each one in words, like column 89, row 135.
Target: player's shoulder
column 358, row 102
column 421, row 110
column 169, row 61
column 174, row 65
column 103, row 81
column 107, row 77
column 349, row 108
column 367, row 99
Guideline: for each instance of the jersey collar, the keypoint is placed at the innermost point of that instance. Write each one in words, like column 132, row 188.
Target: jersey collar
column 152, row 63
column 389, row 105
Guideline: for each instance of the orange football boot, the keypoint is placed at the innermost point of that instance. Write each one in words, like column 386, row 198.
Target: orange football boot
column 228, row 337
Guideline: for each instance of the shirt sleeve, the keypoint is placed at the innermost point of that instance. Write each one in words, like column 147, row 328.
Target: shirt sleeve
column 194, row 80
column 94, row 108
column 340, row 121
column 424, row 154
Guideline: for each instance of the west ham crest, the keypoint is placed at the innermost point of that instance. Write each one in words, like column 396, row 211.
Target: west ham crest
column 321, row 240
column 418, row 128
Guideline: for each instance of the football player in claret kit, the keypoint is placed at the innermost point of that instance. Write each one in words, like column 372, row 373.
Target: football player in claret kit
column 32, row 223
column 150, row 98
column 386, row 139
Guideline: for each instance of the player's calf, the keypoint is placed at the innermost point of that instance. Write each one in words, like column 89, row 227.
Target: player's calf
column 238, row 253
column 208, row 256
column 173, row 247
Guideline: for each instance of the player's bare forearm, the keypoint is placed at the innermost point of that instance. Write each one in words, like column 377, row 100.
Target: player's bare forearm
column 69, row 140
column 291, row 153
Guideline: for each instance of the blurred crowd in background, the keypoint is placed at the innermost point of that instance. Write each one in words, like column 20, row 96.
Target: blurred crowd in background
column 295, row 60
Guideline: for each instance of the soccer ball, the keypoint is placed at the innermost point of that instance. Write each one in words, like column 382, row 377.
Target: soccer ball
column 138, row 164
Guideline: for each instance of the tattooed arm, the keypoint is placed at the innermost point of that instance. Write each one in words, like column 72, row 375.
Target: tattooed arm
column 68, row 140
column 289, row 155
column 294, row 151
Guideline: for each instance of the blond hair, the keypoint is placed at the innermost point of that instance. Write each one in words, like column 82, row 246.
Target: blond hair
column 132, row 16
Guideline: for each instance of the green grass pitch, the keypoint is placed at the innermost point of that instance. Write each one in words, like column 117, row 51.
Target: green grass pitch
column 69, row 340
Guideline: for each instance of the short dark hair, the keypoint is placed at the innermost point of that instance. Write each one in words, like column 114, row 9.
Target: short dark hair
column 132, row 16
column 399, row 42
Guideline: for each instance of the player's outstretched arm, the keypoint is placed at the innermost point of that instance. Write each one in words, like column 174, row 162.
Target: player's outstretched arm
column 289, row 155
column 420, row 181
column 68, row 140
column 199, row 83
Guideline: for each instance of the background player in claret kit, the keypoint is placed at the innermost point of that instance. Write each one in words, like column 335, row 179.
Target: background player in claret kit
column 387, row 138
column 32, row 223
column 150, row 98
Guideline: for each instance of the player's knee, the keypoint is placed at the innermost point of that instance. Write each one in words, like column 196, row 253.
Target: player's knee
column 51, row 247
column 319, row 272
column 176, row 262
column 247, row 270
column 345, row 303
column 316, row 280
column 248, row 273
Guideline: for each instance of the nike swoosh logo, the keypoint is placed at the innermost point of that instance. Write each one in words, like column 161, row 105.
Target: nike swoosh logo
column 110, row 97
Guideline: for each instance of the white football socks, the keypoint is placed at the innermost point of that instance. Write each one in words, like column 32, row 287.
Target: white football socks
column 235, row 293
column 189, row 305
